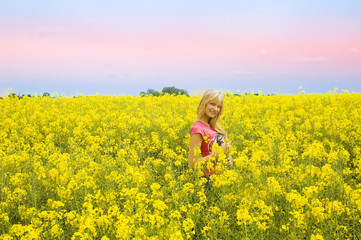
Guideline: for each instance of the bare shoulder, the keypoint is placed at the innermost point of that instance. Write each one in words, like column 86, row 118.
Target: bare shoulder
column 196, row 139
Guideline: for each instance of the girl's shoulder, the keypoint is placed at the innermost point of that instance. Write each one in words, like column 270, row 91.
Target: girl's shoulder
column 202, row 128
column 198, row 127
column 201, row 125
column 198, row 123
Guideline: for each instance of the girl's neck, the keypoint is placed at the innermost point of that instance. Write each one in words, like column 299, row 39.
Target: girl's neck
column 205, row 121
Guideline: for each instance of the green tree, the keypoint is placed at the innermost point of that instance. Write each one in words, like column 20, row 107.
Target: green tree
column 174, row 90
column 169, row 90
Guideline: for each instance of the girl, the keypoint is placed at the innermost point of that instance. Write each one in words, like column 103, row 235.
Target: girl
column 206, row 130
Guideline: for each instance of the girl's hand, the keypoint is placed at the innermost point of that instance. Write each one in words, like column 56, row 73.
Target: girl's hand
column 226, row 147
column 230, row 161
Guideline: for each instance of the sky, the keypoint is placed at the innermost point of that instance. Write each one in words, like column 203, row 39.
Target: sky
column 114, row 47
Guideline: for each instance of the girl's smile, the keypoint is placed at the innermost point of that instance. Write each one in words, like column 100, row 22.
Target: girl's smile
column 212, row 109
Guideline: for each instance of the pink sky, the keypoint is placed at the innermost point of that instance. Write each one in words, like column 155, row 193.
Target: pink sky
column 179, row 54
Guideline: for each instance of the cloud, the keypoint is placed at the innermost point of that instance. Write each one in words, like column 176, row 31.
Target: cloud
column 93, row 23
column 312, row 59
column 353, row 50
column 241, row 73
column 263, row 52
column 112, row 75
column 109, row 65
column 45, row 32
column 285, row 73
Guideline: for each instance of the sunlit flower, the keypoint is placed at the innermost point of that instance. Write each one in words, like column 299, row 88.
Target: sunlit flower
column 116, row 167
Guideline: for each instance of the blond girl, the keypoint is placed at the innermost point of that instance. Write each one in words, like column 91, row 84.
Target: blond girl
column 206, row 131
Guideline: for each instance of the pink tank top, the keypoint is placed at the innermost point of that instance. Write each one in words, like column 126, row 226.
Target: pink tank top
column 209, row 136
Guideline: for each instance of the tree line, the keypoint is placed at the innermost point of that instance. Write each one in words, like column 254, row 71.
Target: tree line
column 20, row 96
column 165, row 90
column 169, row 90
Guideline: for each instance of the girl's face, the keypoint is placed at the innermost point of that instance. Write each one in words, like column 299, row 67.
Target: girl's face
column 212, row 109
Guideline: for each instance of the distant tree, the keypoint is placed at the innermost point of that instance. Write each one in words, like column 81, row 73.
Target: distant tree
column 169, row 90
column 174, row 90
column 20, row 96
column 46, row 94
column 152, row 92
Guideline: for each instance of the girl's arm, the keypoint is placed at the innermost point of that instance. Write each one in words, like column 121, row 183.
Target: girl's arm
column 196, row 141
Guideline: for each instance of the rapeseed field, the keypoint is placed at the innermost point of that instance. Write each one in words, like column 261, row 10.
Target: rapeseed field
column 116, row 167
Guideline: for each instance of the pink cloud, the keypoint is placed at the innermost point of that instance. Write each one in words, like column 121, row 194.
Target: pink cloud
column 353, row 50
column 263, row 52
column 312, row 59
column 242, row 73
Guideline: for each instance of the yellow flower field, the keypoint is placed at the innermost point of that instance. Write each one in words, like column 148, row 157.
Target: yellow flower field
column 106, row 167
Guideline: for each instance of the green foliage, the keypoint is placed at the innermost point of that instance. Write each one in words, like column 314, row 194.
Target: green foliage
column 169, row 90
column 20, row 96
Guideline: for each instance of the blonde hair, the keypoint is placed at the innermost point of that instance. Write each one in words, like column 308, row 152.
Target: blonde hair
column 209, row 96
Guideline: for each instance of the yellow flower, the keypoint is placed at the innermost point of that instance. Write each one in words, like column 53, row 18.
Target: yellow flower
column 188, row 225
column 273, row 186
column 107, row 167
column 297, row 200
column 316, row 237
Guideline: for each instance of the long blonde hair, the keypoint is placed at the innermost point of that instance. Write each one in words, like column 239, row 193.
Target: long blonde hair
column 208, row 96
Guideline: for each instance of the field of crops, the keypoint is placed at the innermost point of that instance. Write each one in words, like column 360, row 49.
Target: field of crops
column 107, row 167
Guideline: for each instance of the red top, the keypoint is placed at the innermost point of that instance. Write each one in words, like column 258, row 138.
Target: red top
column 209, row 136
